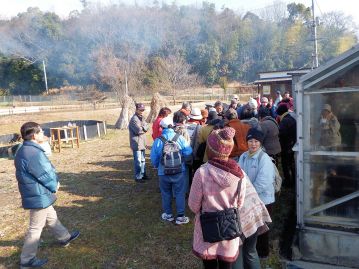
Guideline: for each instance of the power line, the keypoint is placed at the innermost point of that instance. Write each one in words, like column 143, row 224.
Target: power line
column 316, row 2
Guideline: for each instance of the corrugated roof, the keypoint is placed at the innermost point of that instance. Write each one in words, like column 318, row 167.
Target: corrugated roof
column 285, row 70
column 340, row 63
column 272, row 80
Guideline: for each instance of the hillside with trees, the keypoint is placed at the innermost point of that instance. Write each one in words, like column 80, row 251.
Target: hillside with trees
column 161, row 46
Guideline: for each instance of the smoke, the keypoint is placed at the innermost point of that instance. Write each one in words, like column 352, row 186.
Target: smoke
column 68, row 45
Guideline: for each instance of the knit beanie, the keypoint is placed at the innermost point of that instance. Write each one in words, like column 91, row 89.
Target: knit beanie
column 252, row 103
column 282, row 108
column 220, row 143
column 255, row 133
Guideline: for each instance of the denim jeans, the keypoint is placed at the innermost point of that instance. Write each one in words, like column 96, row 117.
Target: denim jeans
column 139, row 163
column 214, row 264
column 177, row 184
column 248, row 256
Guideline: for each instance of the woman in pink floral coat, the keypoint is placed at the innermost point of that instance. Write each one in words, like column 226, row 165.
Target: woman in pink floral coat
column 214, row 188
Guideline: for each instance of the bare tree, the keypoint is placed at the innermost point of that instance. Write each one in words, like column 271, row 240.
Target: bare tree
column 110, row 71
column 275, row 12
column 123, row 77
column 92, row 94
column 175, row 75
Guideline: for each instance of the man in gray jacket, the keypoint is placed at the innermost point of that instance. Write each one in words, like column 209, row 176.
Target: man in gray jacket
column 270, row 129
column 138, row 128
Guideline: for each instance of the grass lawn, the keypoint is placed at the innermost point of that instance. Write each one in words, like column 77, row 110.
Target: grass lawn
column 119, row 220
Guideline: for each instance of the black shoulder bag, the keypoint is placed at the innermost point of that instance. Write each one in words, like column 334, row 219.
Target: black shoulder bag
column 221, row 225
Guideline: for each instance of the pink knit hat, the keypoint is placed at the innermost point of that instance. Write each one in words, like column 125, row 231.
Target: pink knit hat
column 220, row 143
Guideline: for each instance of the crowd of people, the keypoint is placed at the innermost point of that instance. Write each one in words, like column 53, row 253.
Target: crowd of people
column 221, row 156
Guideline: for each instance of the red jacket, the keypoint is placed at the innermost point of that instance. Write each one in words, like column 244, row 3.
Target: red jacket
column 156, row 128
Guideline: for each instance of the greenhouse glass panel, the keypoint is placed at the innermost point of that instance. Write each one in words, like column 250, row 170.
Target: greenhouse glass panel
column 332, row 181
column 333, row 121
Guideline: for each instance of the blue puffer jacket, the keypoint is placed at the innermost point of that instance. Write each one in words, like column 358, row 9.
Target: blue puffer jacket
column 156, row 151
column 261, row 174
column 36, row 176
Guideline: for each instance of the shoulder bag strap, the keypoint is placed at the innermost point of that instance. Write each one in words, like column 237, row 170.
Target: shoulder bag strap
column 273, row 120
column 239, row 190
column 259, row 159
column 174, row 139
column 163, row 139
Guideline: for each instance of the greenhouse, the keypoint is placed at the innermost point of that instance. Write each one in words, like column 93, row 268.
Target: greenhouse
column 327, row 108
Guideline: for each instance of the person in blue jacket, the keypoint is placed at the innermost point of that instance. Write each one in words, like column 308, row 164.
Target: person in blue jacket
column 259, row 167
column 169, row 183
column 38, row 183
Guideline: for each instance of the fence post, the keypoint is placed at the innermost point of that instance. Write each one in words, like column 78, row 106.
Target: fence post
column 98, row 130
column 104, row 127
column 85, row 132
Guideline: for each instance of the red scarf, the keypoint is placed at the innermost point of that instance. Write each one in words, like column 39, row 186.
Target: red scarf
column 229, row 165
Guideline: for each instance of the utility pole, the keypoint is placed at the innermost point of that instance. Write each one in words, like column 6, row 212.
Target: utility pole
column 126, row 89
column 45, row 77
column 315, row 61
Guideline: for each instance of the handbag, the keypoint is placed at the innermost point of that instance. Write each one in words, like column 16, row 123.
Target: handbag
column 221, row 225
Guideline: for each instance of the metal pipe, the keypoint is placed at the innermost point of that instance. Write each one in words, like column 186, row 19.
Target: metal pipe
column 315, row 63
column 45, row 77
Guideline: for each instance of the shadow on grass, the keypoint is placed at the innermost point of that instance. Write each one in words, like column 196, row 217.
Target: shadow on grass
column 111, row 126
column 119, row 222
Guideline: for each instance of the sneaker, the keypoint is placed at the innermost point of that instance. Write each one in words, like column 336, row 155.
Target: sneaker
column 167, row 217
column 73, row 236
column 34, row 262
column 140, row 180
column 182, row 220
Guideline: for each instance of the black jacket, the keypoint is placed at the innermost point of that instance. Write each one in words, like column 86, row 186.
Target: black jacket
column 287, row 133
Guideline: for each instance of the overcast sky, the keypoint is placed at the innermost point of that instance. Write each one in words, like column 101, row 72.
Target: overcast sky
column 10, row 8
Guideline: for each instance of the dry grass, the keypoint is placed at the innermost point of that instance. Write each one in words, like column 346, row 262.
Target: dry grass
column 119, row 220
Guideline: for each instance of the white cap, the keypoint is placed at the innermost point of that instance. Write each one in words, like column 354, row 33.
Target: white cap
column 165, row 122
column 196, row 114
column 235, row 96
column 252, row 103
